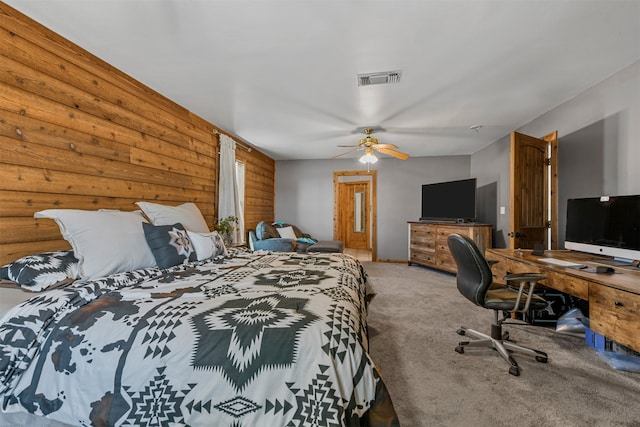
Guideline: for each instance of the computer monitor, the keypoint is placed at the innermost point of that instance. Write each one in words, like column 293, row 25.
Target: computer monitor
column 606, row 225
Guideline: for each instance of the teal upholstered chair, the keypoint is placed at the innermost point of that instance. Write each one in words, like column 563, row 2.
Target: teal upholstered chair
column 266, row 237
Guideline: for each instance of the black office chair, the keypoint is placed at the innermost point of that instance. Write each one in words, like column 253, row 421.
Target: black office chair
column 475, row 282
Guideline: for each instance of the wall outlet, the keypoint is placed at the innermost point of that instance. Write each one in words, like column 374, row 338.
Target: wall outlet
column 503, row 210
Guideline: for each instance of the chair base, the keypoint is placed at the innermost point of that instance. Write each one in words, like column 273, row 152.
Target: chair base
column 500, row 344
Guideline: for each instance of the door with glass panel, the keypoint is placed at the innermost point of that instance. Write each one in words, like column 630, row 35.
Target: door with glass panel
column 355, row 214
column 354, row 210
column 358, row 215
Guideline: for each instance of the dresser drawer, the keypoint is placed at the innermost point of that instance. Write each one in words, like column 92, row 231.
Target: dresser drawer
column 443, row 232
column 421, row 233
column 446, row 262
column 422, row 241
column 614, row 314
column 427, row 258
column 428, row 244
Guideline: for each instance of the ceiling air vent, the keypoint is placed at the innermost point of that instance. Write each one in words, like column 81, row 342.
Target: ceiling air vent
column 379, row 78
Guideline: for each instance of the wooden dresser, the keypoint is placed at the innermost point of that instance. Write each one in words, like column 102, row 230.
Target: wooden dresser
column 428, row 242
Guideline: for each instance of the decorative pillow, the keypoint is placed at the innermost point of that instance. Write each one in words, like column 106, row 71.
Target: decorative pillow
column 186, row 214
column 105, row 242
column 169, row 243
column 40, row 271
column 266, row 231
column 207, row 245
column 296, row 230
column 286, row 233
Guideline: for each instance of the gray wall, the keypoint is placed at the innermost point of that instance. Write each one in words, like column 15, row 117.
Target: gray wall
column 599, row 153
column 598, row 149
column 304, row 194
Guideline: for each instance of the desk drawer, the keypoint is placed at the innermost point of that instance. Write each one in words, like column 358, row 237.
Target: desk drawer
column 506, row 266
column 567, row 284
column 560, row 282
column 615, row 314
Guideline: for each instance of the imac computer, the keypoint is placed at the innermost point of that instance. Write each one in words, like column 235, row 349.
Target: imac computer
column 606, row 225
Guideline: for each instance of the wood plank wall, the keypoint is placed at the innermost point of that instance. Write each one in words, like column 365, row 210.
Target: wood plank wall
column 76, row 133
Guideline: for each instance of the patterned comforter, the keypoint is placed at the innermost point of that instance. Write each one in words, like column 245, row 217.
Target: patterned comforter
column 255, row 340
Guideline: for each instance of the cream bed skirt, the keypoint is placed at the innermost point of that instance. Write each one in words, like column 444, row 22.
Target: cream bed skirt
column 10, row 296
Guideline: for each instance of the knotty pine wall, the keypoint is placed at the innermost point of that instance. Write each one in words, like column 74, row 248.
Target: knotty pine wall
column 76, row 133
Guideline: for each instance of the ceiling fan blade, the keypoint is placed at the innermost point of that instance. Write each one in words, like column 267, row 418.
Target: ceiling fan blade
column 396, row 154
column 344, row 154
column 378, row 146
column 348, row 146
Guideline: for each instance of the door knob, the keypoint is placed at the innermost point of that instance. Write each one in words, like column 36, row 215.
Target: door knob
column 517, row 234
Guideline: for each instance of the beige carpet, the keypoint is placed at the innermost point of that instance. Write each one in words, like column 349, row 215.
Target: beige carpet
column 413, row 322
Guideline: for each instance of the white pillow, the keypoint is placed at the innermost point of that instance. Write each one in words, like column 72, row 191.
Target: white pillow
column 105, row 242
column 186, row 214
column 207, row 245
column 287, row 233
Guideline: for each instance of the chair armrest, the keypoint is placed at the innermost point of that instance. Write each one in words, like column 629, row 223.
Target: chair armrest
column 524, row 279
column 252, row 239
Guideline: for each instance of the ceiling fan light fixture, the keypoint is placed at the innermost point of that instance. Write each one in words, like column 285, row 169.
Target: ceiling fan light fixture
column 368, row 141
column 368, row 156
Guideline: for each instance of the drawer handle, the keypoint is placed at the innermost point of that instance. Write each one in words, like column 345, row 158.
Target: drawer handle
column 618, row 304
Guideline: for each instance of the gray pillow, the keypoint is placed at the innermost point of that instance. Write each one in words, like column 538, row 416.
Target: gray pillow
column 40, row 271
column 169, row 244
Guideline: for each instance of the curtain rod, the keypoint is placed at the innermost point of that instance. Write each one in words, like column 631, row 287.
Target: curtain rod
column 238, row 143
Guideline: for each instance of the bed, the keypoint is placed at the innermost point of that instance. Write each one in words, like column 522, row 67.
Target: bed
column 246, row 339
column 228, row 339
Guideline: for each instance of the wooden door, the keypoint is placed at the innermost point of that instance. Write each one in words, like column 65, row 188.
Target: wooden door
column 341, row 208
column 356, row 215
column 533, row 194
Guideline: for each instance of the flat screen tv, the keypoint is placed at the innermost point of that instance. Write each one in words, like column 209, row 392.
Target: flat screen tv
column 604, row 225
column 449, row 201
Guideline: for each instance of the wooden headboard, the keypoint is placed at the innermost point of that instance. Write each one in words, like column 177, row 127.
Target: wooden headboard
column 76, row 133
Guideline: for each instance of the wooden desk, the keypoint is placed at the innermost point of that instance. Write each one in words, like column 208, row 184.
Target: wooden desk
column 614, row 299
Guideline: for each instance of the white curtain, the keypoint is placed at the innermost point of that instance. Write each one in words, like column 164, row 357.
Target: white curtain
column 228, row 198
column 240, row 181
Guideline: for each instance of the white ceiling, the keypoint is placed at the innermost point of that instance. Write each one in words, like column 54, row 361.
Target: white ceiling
column 282, row 75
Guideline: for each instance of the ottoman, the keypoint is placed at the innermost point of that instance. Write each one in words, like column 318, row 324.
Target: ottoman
column 326, row 246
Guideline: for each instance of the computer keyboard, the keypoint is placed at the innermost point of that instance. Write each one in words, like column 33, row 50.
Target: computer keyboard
column 560, row 262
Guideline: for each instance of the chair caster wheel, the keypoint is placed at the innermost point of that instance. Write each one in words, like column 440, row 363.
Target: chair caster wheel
column 541, row 359
column 460, row 349
column 461, row 331
column 515, row 371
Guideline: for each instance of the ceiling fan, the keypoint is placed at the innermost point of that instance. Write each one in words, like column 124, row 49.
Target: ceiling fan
column 370, row 144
